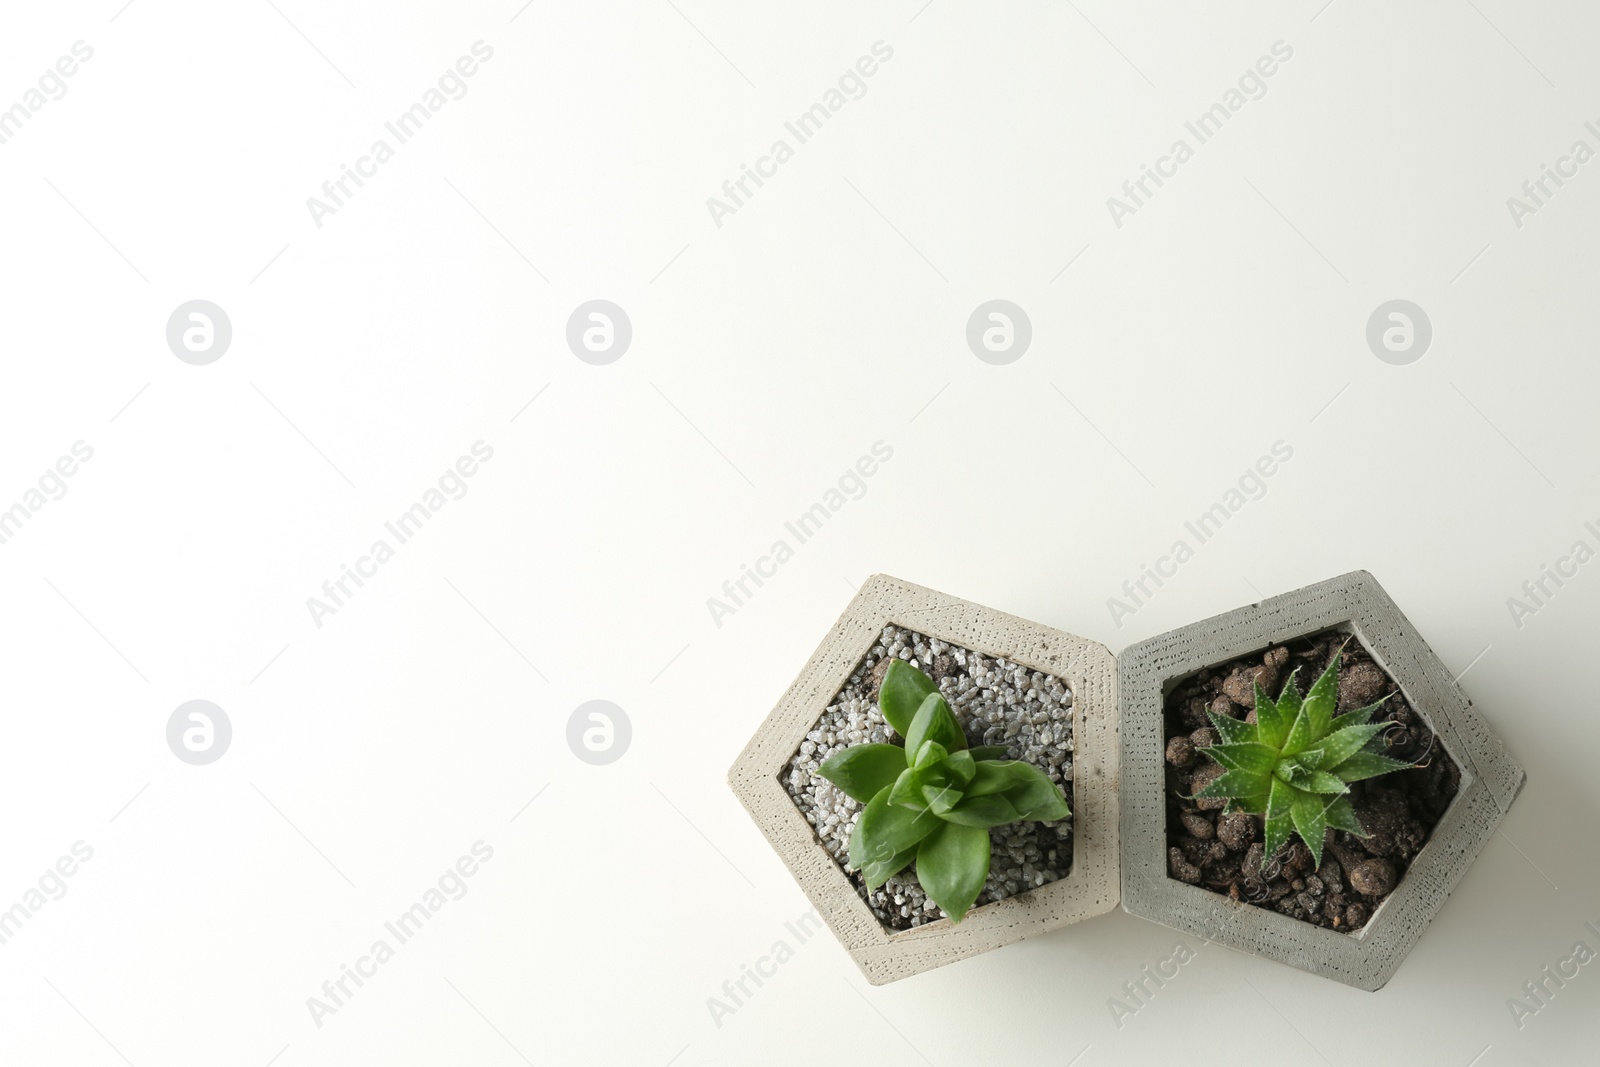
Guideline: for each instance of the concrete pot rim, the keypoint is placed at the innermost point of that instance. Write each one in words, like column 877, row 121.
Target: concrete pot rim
column 1090, row 887
column 1490, row 780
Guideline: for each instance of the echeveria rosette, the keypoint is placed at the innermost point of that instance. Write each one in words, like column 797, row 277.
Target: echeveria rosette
column 935, row 800
column 1295, row 763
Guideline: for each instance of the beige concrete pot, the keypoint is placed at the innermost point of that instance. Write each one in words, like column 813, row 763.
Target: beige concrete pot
column 1090, row 888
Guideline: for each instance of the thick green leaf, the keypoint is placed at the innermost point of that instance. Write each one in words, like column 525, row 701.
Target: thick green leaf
column 1280, row 820
column 1037, row 797
column 952, row 864
column 1248, row 756
column 885, row 830
column 1272, row 726
column 1341, row 745
column 907, row 789
column 983, row 752
column 935, row 721
column 928, row 754
column 1237, row 784
column 941, row 798
column 961, row 766
column 1254, row 803
column 993, row 776
column 1368, row 765
column 903, row 690
column 1289, row 698
column 1300, row 736
column 1027, row 787
column 1232, row 731
column 984, row 811
column 863, row 770
column 876, row 873
column 1322, row 782
column 1341, row 816
column 1323, row 699
column 1310, row 819
column 1357, row 717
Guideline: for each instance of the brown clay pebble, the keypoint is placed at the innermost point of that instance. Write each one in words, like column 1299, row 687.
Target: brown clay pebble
column 1251, row 864
column 1180, row 752
column 1240, row 687
column 1223, row 706
column 1373, row 878
column 1236, row 830
column 1354, row 916
column 1198, row 825
column 1204, row 737
column 1202, row 778
column 1360, row 684
column 1329, row 873
column 1181, row 868
column 875, row 678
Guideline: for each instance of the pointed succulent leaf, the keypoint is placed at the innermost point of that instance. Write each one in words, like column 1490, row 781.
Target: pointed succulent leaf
column 941, row 797
column 1237, row 784
column 1027, row 787
column 993, row 776
column 1254, row 803
column 961, row 766
column 1289, row 697
column 1357, row 717
column 1310, row 820
column 907, row 790
column 1322, row 699
column 863, row 770
column 1272, row 726
column 885, row 829
column 1322, row 782
column 985, row 811
column 1368, row 765
column 1300, row 736
column 983, row 752
column 1341, row 816
column 1232, row 731
column 1249, row 756
column 1278, row 821
column 935, row 721
column 1342, row 744
column 902, row 692
column 878, row 872
column 1036, row 796
column 952, row 865
column 927, row 755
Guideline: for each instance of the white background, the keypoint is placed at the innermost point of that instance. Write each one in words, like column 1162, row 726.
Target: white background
column 768, row 354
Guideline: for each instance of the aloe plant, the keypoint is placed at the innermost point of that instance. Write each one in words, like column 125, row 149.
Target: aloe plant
column 933, row 801
column 1295, row 763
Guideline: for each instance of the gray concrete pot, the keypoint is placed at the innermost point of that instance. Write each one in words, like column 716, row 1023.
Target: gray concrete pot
column 1090, row 888
column 1490, row 780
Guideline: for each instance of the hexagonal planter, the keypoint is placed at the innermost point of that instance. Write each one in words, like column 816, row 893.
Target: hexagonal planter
column 1090, row 885
column 1357, row 605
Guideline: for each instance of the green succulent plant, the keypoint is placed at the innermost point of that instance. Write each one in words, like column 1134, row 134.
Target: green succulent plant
column 934, row 801
column 1295, row 763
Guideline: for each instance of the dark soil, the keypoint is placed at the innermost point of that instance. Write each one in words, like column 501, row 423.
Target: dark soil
column 1399, row 810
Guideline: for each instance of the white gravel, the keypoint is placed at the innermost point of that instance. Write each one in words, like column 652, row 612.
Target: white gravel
column 997, row 703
